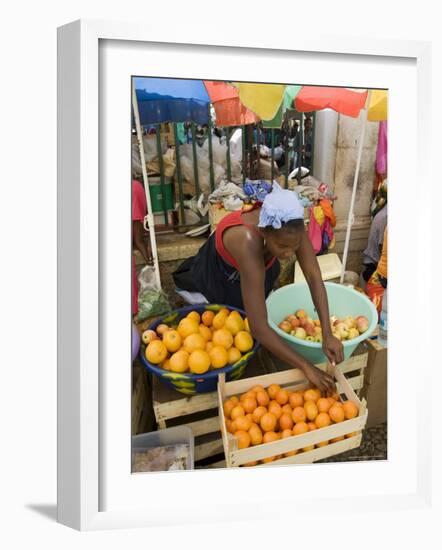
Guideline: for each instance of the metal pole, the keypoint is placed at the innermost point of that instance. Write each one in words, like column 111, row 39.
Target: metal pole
column 301, row 145
column 195, row 161
column 149, row 217
column 244, row 154
column 353, row 193
column 209, row 137
column 287, row 155
column 160, row 160
column 273, row 152
column 229, row 167
column 312, row 158
column 178, row 172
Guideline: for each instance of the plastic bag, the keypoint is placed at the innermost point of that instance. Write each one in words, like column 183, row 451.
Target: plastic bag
column 151, row 300
column 151, row 148
column 147, row 279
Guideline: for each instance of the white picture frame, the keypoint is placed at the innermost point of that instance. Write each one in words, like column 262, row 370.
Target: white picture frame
column 88, row 457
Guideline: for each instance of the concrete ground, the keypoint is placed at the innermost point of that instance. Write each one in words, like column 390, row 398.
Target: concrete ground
column 373, row 447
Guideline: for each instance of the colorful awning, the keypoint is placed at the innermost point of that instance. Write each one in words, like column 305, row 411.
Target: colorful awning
column 171, row 100
column 263, row 99
column 344, row 101
column 378, row 107
column 228, row 107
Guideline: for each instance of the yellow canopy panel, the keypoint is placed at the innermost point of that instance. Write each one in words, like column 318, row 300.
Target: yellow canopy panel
column 263, row 99
column 378, row 107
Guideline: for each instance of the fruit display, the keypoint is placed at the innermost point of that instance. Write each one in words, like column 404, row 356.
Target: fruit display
column 199, row 342
column 301, row 326
column 262, row 415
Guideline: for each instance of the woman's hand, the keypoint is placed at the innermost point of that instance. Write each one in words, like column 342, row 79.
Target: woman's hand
column 333, row 349
column 320, row 379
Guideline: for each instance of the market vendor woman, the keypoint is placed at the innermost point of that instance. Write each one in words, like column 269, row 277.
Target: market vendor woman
column 239, row 266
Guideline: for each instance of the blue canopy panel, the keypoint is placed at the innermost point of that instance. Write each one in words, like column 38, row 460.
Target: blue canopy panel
column 171, row 100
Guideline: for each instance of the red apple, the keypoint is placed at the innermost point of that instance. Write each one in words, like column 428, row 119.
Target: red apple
column 162, row 329
column 310, row 329
column 361, row 323
column 295, row 323
column 285, row 326
column 148, row 336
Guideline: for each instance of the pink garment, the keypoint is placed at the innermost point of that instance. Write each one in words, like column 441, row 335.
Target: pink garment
column 139, row 211
column 381, row 151
column 139, row 206
column 314, row 233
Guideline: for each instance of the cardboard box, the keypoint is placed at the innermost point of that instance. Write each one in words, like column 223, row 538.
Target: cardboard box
column 375, row 384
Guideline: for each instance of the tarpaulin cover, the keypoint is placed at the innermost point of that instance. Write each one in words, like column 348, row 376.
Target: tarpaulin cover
column 171, row 100
column 342, row 100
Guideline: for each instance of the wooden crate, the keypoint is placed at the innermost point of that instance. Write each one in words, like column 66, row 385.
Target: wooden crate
column 200, row 412
column 140, row 409
column 354, row 368
column 294, row 379
column 375, row 384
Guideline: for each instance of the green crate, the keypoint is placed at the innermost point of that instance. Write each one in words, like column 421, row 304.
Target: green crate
column 156, row 195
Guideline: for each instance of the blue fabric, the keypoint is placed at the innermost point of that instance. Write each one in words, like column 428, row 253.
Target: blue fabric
column 257, row 189
column 171, row 100
column 280, row 206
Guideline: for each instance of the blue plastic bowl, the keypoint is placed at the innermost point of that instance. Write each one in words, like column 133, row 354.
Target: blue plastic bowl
column 189, row 383
column 342, row 301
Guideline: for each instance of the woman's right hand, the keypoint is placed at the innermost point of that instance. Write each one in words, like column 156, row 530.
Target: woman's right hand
column 320, row 379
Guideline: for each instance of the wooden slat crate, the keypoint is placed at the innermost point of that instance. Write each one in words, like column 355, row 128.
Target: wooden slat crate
column 354, row 368
column 140, row 413
column 294, row 379
column 200, row 412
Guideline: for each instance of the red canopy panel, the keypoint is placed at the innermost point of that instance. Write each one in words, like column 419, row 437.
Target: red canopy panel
column 342, row 100
column 228, row 107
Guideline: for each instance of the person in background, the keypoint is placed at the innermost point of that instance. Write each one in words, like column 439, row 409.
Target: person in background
column 139, row 240
column 382, row 264
column 372, row 253
column 308, row 143
column 378, row 281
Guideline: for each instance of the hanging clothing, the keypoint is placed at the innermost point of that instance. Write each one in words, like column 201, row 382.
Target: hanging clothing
column 139, row 211
column 381, row 150
column 320, row 228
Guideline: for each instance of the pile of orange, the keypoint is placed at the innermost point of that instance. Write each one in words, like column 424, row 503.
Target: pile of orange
column 198, row 343
column 262, row 415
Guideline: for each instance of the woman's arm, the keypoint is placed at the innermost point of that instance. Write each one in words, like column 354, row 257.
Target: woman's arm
column 252, row 273
column 309, row 264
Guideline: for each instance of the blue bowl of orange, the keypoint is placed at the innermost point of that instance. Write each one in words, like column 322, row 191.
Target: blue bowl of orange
column 172, row 347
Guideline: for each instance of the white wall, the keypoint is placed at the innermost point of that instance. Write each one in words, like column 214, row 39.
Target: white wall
column 336, row 147
column 326, row 134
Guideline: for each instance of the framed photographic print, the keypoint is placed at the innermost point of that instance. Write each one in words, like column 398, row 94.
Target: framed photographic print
column 222, row 259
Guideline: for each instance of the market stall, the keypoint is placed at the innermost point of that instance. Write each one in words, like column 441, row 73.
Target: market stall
column 202, row 361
